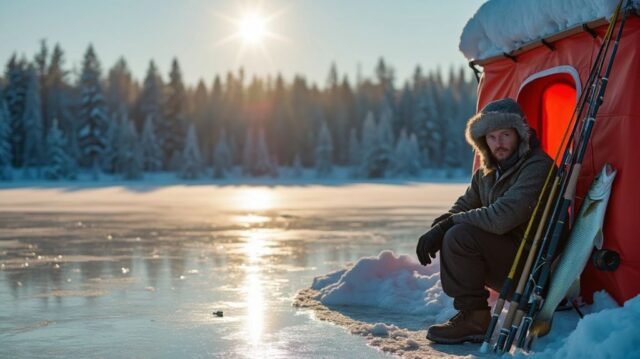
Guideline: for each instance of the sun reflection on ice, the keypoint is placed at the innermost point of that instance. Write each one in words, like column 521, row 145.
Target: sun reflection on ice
column 258, row 245
column 255, row 307
column 255, row 248
column 255, row 199
column 250, row 219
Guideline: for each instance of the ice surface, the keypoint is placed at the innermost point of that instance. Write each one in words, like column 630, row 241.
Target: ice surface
column 352, row 243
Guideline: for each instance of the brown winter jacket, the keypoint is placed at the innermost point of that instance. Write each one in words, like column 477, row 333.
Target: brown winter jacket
column 502, row 206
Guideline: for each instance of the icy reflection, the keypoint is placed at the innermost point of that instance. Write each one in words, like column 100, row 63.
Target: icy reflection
column 255, row 306
column 255, row 199
column 251, row 219
column 150, row 280
column 256, row 245
column 255, row 248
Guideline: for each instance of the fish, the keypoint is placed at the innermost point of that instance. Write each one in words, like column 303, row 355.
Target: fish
column 585, row 235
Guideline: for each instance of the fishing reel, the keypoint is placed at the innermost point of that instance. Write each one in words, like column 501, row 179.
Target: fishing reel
column 605, row 260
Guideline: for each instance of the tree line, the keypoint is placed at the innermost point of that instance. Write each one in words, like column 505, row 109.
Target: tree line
column 55, row 123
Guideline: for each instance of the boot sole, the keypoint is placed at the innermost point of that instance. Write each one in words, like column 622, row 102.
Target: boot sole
column 469, row 338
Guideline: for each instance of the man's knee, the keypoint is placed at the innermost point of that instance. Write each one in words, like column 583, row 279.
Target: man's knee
column 461, row 237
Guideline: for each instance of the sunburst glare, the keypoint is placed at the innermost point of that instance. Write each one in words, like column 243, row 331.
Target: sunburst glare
column 251, row 29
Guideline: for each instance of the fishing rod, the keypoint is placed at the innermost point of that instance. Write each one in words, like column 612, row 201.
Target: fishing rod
column 562, row 204
column 497, row 310
column 517, row 307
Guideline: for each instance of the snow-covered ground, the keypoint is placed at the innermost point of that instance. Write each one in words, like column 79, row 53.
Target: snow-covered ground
column 398, row 285
column 136, row 270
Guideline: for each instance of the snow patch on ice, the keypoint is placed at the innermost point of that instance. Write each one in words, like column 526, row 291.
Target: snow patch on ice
column 504, row 25
column 398, row 284
column 609, row 331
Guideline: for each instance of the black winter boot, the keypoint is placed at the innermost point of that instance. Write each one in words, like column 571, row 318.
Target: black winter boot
column 466, row 326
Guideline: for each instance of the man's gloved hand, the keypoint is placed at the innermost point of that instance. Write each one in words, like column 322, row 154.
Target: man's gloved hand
column 441, row 218
column 430, row 243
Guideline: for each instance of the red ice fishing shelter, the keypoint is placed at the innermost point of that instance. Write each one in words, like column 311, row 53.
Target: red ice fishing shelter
column 546, row 77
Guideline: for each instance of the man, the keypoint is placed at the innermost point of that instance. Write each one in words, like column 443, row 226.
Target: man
column 479, row 236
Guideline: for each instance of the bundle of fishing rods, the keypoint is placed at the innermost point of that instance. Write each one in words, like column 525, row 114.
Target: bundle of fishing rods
column 557, row 196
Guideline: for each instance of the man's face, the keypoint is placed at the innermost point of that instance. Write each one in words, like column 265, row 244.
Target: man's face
column 502, row 143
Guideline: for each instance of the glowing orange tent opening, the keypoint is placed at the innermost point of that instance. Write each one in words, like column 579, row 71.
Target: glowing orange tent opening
column 548, row 104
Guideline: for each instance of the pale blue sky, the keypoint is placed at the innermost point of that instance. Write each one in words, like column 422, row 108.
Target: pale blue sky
column 315, row 33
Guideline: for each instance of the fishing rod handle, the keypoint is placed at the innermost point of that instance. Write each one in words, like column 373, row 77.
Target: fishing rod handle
column 514, row 329
column 497, row 309
column 508, row 321
column 513, row 306
column 528, row 318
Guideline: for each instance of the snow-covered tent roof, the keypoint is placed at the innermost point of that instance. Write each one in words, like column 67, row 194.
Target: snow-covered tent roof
column 503, row 26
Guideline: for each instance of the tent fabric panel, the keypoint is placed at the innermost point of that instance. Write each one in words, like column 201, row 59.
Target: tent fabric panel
column 614, row 139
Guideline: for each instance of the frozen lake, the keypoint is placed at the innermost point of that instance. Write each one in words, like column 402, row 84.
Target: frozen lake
column 139, row 271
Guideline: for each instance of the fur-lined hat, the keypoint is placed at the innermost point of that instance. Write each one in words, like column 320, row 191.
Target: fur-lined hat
column 499, row 114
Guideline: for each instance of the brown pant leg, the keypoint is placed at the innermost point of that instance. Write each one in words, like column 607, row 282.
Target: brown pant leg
column 471, row 259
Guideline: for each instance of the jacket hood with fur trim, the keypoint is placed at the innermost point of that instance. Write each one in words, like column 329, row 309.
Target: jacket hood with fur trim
column 482, row 123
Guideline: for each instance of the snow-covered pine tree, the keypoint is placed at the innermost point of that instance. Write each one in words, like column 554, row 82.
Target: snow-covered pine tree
column 129, row 159
column 414, row 154
column 324, row 152
column 113, row 140
column 222, row 157
column 174, row 123
column 33, row 155
column 40, row 64
column 355, row 154
column 120, row 88
column 15, row 94
column 405, row 160
column 191, row 165
column 59, row 164
column 93, row 119
column 58, row 102
column 263, row 164
column 297, row 167
column 249, row 152
column 201, row 114
column 398, row 164
column 386, row 139
column 376, row 148
column 423, row 124
column 151, row 150
column 453, row 152
column 5, row 142
column 370, row 167
column 150, row 103
column 406, row 106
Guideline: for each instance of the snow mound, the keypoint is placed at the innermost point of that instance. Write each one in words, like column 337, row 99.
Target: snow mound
column 609, row 333
column 397, row 284
column 504, row 25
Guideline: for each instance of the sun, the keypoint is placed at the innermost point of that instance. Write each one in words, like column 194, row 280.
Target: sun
column 252, row 28
column 251, row 32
